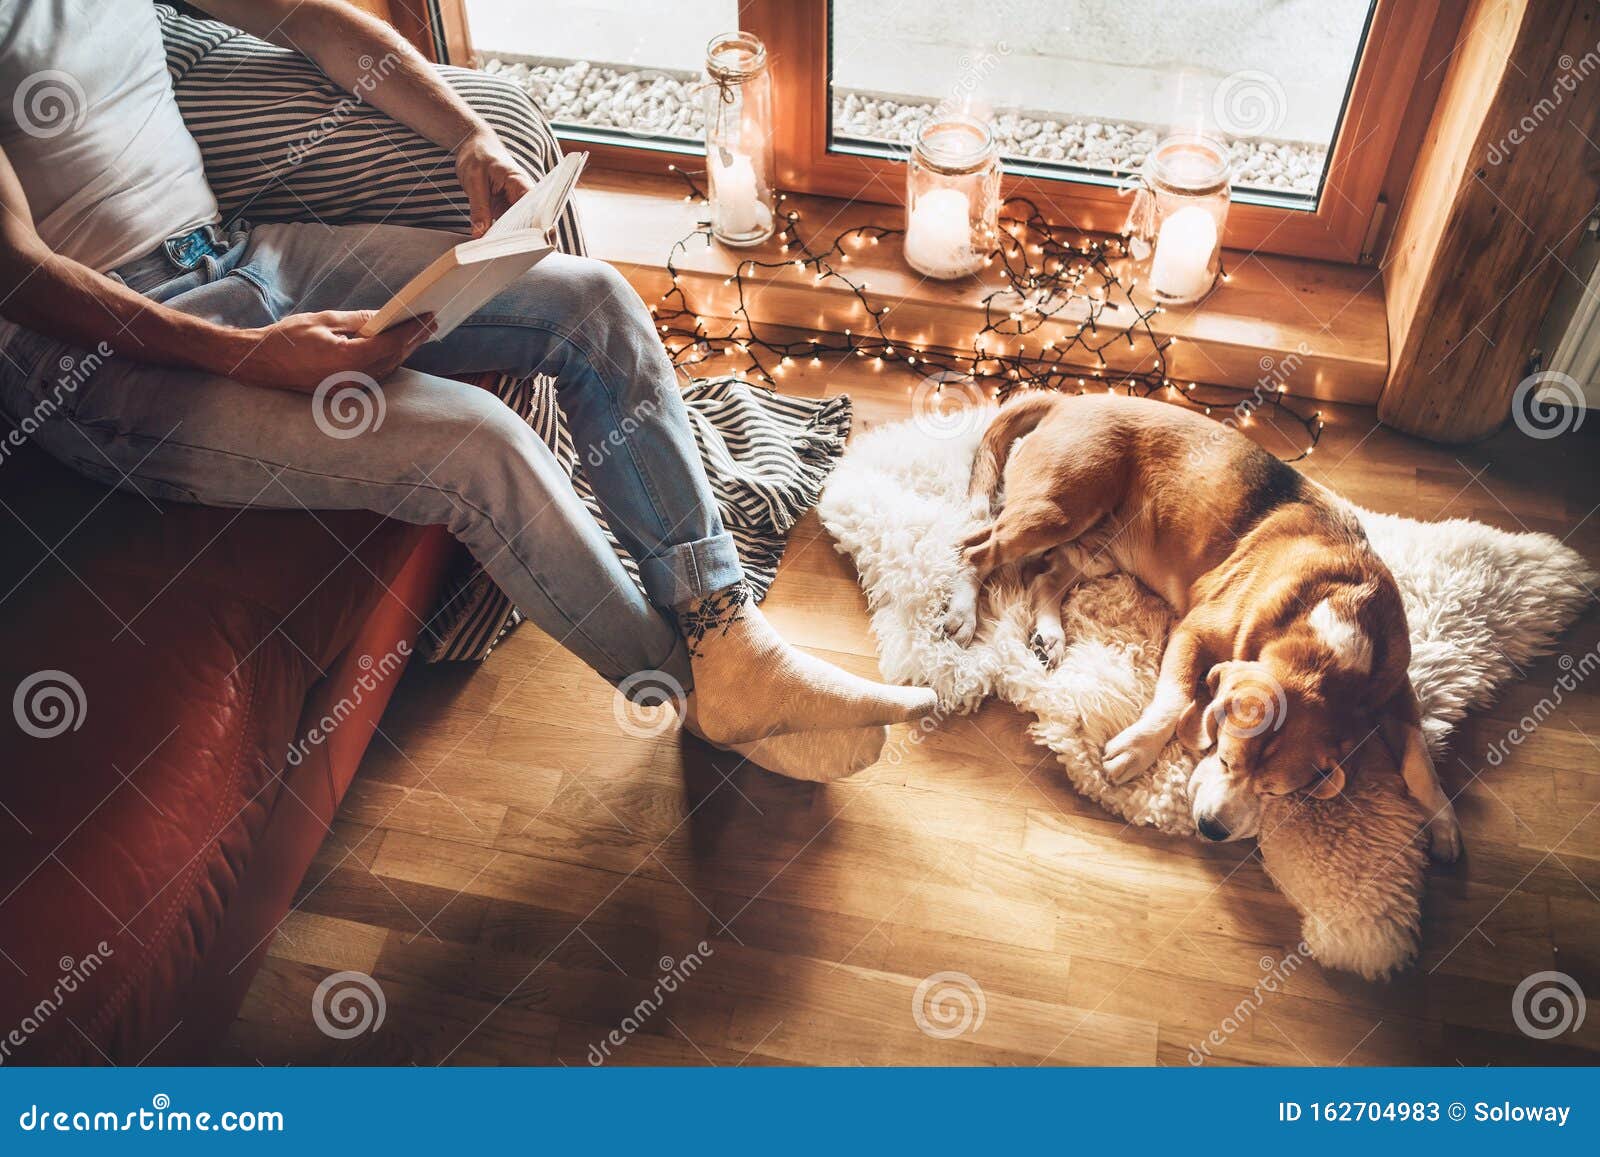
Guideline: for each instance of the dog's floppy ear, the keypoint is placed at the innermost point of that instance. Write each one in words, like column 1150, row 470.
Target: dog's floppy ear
column 1332, row 781
column 1214, row 676
column 1197, row 727
column 1330, row 784
column 1400, row 723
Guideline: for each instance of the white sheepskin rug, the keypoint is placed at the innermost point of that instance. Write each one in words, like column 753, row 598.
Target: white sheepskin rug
column 1480, row 603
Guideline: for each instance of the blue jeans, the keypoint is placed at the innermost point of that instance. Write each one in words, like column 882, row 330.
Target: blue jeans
column 424, row 448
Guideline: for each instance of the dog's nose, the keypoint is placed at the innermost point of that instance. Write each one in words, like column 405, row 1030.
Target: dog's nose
column 1211, row 829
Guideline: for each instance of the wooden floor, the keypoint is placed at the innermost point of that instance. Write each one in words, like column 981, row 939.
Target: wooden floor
column 518, row 876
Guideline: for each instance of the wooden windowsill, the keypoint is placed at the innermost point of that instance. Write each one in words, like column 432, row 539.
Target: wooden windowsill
column 1318, row 328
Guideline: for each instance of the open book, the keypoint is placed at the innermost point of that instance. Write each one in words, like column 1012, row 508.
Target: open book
column 465, row 277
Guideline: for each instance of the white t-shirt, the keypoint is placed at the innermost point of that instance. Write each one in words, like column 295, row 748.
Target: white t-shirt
column 89, row 123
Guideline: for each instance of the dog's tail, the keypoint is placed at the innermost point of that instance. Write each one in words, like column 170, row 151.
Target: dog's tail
column 1013, row 421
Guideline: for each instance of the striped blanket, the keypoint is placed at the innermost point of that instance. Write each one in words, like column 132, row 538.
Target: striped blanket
column 282, row 143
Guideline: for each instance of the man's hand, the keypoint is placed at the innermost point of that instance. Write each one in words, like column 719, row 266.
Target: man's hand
column 300, row 351
column 491, row 177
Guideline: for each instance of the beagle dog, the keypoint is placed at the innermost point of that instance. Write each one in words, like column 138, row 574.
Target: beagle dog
column 1291, row 646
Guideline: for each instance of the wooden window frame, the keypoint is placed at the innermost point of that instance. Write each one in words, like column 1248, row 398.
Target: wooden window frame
column 1389, row 98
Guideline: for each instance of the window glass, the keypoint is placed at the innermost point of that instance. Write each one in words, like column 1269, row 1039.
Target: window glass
column 1083, row 88
column 606, row 69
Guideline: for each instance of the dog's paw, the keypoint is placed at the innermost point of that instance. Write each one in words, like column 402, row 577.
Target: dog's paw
column 961, row 623
column 1131, row 754
column 1444, row 836
column 1049, row 645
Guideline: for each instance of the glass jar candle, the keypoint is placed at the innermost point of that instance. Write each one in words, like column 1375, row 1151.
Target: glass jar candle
column 1176, row 227
column 952, row 197
column 739, row 162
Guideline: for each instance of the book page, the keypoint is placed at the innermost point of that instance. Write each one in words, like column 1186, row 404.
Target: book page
column 540, row 207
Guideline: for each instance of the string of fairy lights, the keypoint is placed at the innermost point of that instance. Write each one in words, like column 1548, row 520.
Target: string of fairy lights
column 1054, row 277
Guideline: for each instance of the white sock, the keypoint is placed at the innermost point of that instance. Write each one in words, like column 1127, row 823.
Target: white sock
column 750, row 684
column 817, row 756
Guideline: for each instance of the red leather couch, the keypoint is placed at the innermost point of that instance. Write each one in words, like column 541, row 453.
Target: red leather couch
column 165, row 772
column 166, row 670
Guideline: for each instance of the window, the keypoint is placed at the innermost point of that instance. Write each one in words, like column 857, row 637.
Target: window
column 1081, row 91
column 1312, row 94
column 607, row 71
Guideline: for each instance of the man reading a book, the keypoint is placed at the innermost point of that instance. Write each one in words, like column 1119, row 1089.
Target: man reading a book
column 213, row 341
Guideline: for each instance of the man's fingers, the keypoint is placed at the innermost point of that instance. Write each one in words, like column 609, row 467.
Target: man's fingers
column 345, row 320
column 406, row 334
column 516, row 184
column 479, row 195
column 395, row 344
column 423, row 333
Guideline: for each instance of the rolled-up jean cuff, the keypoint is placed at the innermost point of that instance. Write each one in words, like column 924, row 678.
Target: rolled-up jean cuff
column 691, row 571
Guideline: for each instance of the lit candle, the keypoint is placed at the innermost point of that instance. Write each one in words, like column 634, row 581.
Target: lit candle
column 1181, row 270
column 939, row 235
column 737, row 196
